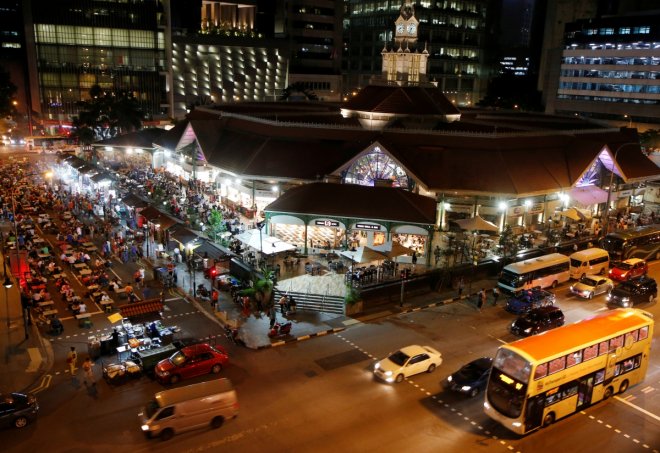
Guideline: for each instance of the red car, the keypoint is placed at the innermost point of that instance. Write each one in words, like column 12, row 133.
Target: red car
column 629, row 269
column 191, row 361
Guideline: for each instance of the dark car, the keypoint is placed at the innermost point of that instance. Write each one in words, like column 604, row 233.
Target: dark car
column 526, row 300
column 17, row 409
column 191, row 361
column 538, row 320
column 633, row 292
column 471, row 378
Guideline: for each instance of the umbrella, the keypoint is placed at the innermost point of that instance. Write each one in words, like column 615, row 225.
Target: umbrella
column 476, row 223
column 393, row 249
column 265, row 243
column 364, row 255
column 574, row 214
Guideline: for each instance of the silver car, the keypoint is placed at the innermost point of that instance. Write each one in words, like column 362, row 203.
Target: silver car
column 592, row 285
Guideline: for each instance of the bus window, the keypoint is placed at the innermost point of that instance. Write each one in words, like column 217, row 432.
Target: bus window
column 590, row 352
column 616, row 342
column 600, row 376
column 570, row 390
column 541, row 371
column 557, row 365
column 573, row 359
column 603, row 347
column 643, row 333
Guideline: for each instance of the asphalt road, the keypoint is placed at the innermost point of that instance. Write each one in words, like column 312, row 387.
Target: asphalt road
column 320, row 395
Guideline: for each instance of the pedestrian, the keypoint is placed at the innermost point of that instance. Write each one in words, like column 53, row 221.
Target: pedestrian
column 71, row 359
column 137, row 276
column 273, row 316
column 461, row 285
column 283, row 304
column 481, row 298
column 88, row 372
column 496, row 295
column 215, row 295
column 414, row 258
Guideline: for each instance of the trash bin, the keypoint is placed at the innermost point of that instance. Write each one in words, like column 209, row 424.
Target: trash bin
column 94, row 348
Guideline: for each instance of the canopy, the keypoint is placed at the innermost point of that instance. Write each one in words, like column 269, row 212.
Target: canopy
column 393, row 249
column 364, row 255
column 588, row 195
column 265, row 243
column 476, row 223
column 576, row 214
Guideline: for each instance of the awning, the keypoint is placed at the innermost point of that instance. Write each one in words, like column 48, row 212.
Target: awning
column 263, row 242
column 158, row 218
column 211, row 251
column 182, row 235
column 588, row 195
column 103, row 176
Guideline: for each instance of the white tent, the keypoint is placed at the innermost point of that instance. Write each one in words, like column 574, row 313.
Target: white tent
column 393, row 249
column 476, row 223
column 263, row 242
column 364, row 255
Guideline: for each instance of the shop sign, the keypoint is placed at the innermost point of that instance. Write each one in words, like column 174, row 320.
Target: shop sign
column 536, row 208
column 327, row 223
column 367, row 226
column 625, row 193
column 515, row 211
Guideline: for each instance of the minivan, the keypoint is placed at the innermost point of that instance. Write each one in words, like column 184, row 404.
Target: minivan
column 590, row 261
column 207, row 404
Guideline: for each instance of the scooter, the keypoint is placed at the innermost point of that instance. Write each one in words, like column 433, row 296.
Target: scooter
column 280, row 330
column 232, row 335
column 203, row 292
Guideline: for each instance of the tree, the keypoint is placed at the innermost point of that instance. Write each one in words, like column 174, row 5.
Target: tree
column 216, row 224
column 7, row 92
column 106, row 115
column 508, row 243
column 261, row 293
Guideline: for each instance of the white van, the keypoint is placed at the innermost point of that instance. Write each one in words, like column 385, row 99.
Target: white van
column 590, row 261
column 181, row 409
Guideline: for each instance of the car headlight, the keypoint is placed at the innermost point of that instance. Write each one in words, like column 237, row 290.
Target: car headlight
column 377, row 366
column 388, row 373
column 527, row 330
column 164, row 373
column 625, row 299
column 466, row 388
column 609, row 297
column 145, row 427
column 450, row 378
column 572, row 289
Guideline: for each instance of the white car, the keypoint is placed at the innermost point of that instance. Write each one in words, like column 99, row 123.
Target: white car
column 406, row 362
column 592, row 285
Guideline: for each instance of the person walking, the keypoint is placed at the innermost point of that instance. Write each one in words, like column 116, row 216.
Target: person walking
column 215, row 295
column 284, row 302
column 88, row 372
column 496, row 295
column 461, row 285
column 481, row 298
column 71, row 359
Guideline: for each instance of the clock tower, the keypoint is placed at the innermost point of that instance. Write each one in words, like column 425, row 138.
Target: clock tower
column 404, row 64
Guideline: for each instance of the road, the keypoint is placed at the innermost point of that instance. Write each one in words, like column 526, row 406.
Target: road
column 320, row 395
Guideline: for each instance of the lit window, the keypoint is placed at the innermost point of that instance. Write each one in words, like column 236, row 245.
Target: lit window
column 624, row 30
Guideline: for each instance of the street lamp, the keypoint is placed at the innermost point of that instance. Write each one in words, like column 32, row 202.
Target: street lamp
column 7, row 284
column 609, row 189
column 260, row 226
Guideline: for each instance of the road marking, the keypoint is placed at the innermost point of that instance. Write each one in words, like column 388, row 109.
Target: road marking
column 643, row 411
column 43, row 385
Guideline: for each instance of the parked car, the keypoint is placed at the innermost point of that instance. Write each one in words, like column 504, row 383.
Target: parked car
column 538, row 320
column 191, row 361
column 633, row 292
column 592, row 285
column 526, row 300
column 406, row 362
column 471, row 378
column 17, row 409
column 628, row 269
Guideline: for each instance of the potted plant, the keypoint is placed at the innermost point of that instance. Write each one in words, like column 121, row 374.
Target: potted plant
column 353, row 301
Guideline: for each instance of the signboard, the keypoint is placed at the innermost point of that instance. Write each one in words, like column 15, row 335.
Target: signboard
column 327, row 223
column 536, row 208
column 367, row 226
column 625, row 193
column 515, row 211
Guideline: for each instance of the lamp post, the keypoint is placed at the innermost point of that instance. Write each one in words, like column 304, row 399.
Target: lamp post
column 606, row 227
column 7, row 284
column 260, row 226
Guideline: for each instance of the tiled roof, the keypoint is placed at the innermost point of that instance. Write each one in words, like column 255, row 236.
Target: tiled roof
column 358, row 202
column 406, row 100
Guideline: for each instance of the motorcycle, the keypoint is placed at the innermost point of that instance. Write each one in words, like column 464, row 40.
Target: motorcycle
column 280, row 330
column 232, row 335
column 202, row 291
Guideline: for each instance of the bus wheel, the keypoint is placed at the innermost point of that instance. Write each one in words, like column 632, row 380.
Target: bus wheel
column 608, row 393
column 624, row 386
column 549, row 419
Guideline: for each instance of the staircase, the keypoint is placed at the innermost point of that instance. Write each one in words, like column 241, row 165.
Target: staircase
column 314, row 302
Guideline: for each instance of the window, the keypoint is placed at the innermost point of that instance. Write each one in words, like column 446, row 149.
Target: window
column 606, row 31
column 616, row 342
column 590, row 352
column 643, row 333
column 557, row 364
column 541, row 371
column 166, row 412
column 642, row 30
column 569, row 390
column 603, row 348
column 624, row 30
column 573, row 359
column 552, row 397
column 600, row 376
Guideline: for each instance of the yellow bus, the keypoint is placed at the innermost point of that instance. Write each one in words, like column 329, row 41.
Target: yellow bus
column 540, row 379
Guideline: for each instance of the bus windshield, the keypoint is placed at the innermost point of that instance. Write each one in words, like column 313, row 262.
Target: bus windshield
column 511, row 279
column 513, row 365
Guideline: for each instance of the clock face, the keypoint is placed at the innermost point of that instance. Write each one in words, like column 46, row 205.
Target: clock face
column 399, row 28
column 412, row 28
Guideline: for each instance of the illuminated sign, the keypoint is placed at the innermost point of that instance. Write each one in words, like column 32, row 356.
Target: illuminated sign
column 327, row 223
column 367, row 226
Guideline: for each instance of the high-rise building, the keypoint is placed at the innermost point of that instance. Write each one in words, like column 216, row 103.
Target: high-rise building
column 12, row 53
column 313, row 29
column 455, row 35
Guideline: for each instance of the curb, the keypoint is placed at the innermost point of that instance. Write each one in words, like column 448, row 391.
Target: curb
column 301, row 338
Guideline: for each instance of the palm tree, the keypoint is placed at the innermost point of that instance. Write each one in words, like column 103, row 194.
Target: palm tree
column 261, row 293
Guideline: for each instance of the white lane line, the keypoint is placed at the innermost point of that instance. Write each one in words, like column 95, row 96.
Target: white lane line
column 643, row 411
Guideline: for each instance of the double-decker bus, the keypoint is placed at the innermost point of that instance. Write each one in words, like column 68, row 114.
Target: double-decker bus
column 540, row 379
column 544, row 271
column 641, row 242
